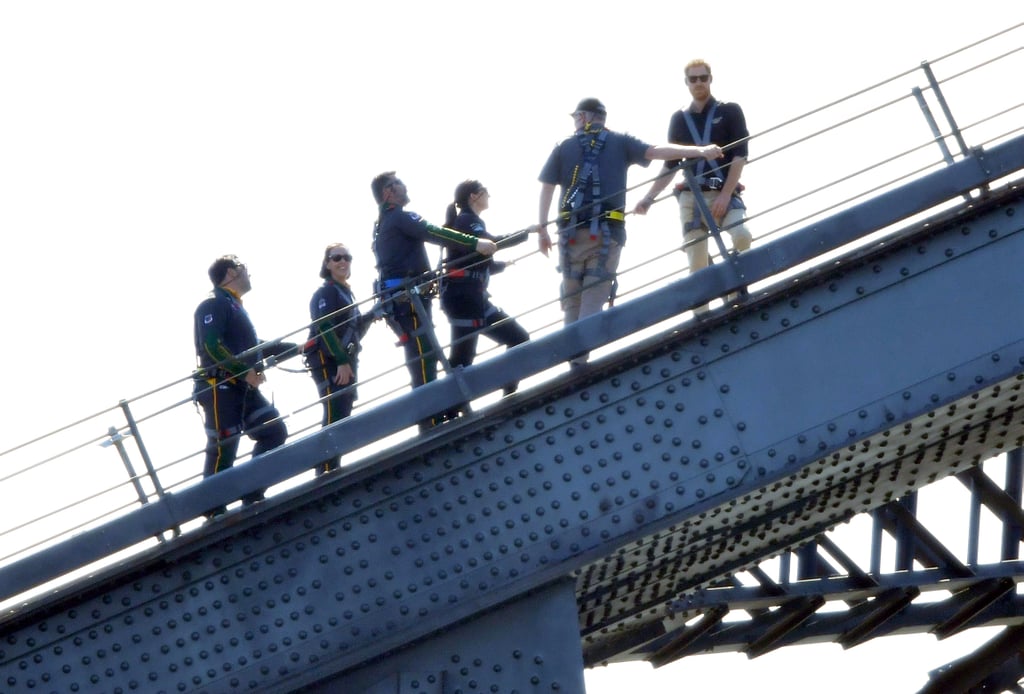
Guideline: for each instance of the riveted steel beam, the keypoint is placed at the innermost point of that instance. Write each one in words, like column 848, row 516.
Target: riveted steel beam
column 699, row 453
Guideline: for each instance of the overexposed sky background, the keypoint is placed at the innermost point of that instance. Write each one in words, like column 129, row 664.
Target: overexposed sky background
column 140, row 140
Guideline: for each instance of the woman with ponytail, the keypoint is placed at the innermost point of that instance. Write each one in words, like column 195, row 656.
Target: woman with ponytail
column 464, row 296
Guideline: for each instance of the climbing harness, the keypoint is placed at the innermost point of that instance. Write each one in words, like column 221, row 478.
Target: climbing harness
column 574, row 210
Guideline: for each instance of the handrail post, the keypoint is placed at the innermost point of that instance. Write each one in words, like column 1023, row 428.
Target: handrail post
column 420, row 308
column 955, row 129
column 117, row 441
column 947, row 156
column 147, row 461
column 705, row 211
column 934, row 84
column 709, row 221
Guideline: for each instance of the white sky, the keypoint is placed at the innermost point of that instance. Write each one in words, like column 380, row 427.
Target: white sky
column 140, row 140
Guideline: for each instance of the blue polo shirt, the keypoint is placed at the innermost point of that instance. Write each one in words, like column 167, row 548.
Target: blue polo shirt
column 619, row 152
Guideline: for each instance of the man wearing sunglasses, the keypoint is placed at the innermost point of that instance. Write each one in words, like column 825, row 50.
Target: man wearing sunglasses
column 590, row 167
column 704, row 121
column 399, row 246
column 230, row 373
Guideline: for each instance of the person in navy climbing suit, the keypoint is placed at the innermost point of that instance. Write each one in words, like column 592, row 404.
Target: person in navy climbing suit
column 227, row 382
column 332, row 350
column 590, row 167
column 707, row 120
column 464, row 296
column 399, row 245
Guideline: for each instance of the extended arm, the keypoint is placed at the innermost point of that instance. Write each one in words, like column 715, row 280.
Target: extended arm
column 671, row 153
column 444, row 235
column 668, row 173
column 709, row 152
column 547, row 195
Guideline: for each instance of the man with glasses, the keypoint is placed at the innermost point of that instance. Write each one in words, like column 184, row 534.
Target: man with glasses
column 399, row 245
column 590, row 167
column 230, row 374
column 707, row 120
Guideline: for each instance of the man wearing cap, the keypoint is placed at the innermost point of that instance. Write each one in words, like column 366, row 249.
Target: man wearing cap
column 707, row 120
column 590, row 168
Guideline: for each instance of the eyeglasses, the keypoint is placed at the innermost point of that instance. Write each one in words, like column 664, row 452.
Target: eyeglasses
column 694, row 79
column 338, row 257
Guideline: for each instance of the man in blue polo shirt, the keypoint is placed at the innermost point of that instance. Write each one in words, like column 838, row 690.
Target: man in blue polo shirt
column 590, row 166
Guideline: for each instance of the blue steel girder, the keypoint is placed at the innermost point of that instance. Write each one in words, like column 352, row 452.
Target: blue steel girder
column 757, row 264
column 697, row 454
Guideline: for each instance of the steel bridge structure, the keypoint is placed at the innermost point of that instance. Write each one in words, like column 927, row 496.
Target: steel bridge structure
column 685, row 494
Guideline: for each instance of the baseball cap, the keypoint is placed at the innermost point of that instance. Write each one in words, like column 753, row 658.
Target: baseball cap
column 591, row 104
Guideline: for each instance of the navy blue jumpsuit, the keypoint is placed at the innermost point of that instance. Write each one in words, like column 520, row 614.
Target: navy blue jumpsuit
column 466, row 301
column 398, row 245
column 334, row 335
column 230, row 406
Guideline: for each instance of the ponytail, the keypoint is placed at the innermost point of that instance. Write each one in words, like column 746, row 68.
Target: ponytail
column 462, row 193
column 450, row 214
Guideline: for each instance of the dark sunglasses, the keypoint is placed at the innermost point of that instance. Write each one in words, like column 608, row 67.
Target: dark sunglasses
column 694, row 79
column 338, row 257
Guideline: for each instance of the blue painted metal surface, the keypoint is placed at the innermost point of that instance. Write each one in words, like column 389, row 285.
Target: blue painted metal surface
column 759, row 263
column 666, row 467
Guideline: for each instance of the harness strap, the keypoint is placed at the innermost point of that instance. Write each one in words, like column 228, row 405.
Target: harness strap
column 702, row 139
column 259, row 412
column 224, row 434
column 473, row 322
column 212, row 374
column 424, row 328
column 466, row 322
column 572, row 203
column 392, row 283
column 467, row 275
